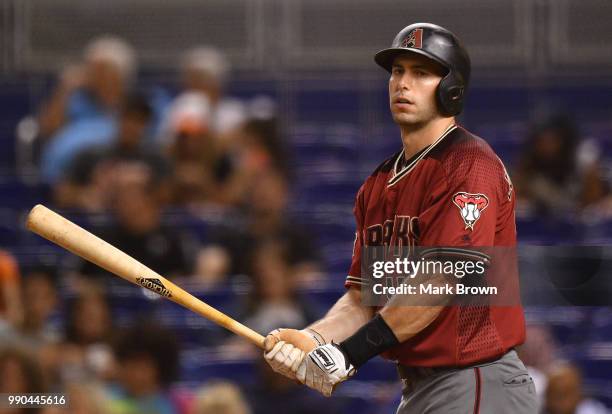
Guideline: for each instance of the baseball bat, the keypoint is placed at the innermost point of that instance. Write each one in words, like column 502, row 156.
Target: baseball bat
column 79, row 241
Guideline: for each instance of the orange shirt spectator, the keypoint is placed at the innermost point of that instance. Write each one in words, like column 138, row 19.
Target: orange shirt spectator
column 10, row 302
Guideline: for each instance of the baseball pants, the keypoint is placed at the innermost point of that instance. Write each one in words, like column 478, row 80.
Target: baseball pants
column 498, row 387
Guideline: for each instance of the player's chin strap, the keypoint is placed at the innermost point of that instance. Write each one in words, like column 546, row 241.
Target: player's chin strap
column 373, row 338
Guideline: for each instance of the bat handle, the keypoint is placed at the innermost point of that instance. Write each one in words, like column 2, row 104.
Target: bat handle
column 230, row 324
column 254, row 337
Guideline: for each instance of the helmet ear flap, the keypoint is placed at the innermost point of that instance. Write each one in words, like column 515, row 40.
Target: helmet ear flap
column 455, row 92
column 450, row 94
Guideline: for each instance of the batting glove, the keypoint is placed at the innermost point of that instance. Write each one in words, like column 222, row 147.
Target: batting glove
column 324, row 368
column 286, row 349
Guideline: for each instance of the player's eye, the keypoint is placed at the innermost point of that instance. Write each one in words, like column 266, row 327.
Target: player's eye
column 397, row 70
column 420, row 73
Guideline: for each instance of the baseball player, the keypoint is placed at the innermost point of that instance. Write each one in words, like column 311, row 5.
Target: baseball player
column 446, row 187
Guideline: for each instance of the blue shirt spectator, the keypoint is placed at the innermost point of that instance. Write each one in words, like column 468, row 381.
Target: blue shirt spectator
column 92, row 126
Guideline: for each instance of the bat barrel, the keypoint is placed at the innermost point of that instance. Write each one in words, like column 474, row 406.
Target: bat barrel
column 61, row 231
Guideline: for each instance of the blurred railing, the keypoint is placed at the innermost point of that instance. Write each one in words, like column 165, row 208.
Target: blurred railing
column 538, row 37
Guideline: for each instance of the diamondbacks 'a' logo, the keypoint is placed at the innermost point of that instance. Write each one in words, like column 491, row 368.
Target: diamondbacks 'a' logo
column 414, row 39
column 471, row 207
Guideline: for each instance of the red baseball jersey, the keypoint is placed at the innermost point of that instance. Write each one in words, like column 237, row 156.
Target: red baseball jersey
column 454, row 193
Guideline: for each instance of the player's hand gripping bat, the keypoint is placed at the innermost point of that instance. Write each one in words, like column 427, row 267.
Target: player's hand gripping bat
column 79, row 241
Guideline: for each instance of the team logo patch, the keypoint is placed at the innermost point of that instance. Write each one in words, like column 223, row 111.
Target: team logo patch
column 471, row 207
column 414, row 39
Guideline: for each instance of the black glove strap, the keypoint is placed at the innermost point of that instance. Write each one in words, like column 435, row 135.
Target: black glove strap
column 373, row 338
column 316, row 336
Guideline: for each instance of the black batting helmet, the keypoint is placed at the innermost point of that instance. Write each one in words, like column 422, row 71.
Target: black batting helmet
column 444, row 47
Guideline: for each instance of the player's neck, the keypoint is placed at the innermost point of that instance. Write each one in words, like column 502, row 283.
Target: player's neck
column 417, row 137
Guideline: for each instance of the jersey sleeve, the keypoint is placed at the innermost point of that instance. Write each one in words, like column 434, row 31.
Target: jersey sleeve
column 466, row 203
column 354, row 275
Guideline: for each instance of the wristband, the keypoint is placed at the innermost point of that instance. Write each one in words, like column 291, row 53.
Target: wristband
column 373, row 338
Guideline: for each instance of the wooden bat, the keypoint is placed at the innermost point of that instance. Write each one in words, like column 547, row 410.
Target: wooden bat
column 79, row 241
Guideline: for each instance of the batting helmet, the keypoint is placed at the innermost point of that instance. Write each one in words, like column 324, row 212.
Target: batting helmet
column 444, row 47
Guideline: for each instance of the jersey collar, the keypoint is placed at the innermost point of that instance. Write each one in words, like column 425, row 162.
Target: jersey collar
column 398, row 175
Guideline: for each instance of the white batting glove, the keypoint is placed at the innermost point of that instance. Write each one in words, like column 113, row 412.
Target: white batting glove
column 286, row 349
column 324, row 368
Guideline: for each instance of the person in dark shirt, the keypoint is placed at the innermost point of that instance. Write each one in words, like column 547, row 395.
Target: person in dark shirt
column 265, row 217
column 96, row 171
column 273, row 393
column 137, row 229
column 559, row 173
column 148, row 358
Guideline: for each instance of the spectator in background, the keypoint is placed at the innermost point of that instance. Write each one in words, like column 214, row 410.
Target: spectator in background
column 212, row 266
column 94, row 172
column 272, row 393
column 148, row 362
column 137, row 229
column 19, row 374
column 36, row 334
column 86, row 353
column 40, row 299
column 553, row 176
column 220, row 397
column 205, row 70
column 83, row 397
column 199, row 165
column 256, row 151
column 265, row 217
column 564, row 393
column 11, row 310
column 261, row 138
column 81, row 111
column 274, row 298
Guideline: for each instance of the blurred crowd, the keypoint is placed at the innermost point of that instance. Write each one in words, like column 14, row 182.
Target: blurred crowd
column 107, row 147
column 560, row 174
column 104, row 367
